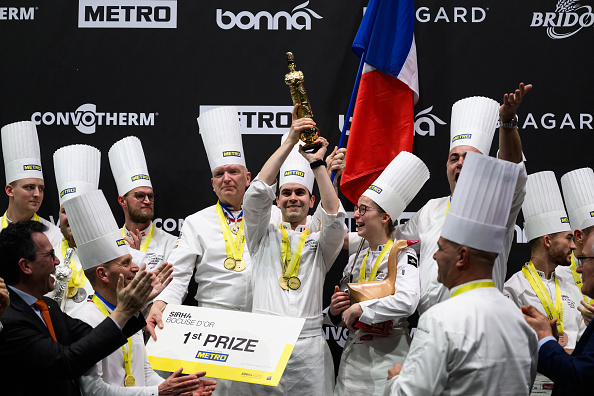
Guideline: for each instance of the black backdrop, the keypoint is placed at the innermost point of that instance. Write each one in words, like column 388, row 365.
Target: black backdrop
column 96, row 76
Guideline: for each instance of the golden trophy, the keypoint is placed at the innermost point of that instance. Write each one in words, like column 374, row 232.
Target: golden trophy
column 294, row 79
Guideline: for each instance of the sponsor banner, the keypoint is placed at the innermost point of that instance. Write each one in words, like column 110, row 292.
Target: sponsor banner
column 199, row 339
column 299, row 18
column 256, row 120
column 567, row 19
column 451, row 14
column 17, row 13
column 150, row 14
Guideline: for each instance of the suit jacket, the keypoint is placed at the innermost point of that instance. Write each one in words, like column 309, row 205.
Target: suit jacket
column 33, row 363
column 572, row 374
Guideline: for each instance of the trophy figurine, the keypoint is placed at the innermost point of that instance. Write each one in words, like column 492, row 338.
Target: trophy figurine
column 294, row 79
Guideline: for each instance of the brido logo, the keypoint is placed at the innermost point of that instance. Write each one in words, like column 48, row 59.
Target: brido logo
column 299, row 18
column 425, row 122
column 569, row 18
column 453, row 15
column 86, row 118
column 128, row 14
column 17, row 13
column 256, row 120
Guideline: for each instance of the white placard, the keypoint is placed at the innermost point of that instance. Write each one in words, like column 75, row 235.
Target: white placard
column 232, row 345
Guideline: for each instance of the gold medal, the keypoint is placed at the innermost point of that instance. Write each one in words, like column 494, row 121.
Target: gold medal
column 235, row 228
column 294, row 283
column 229, row 263
column 282, row 281
column 72, row 292
column 129, row 380
column 563, row 339
column 239, row 265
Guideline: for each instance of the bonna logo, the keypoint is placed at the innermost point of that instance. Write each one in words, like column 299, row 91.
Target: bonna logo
column 17, row 13
column 425, row 122
column 568, row 18
column 299, row 18
column 86, row 118
column 127, row 14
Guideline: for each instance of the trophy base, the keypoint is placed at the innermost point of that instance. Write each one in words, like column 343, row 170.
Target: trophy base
column 384, row 328
column 312, row 147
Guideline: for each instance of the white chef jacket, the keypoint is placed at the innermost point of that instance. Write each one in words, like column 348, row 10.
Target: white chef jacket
column 71, row 306
column 310, row 368
column 158, row 249
column 106, row 377
column 518, row 289
column 476, row 343
column 53, row 233
column 426, row 226
column 367, row 357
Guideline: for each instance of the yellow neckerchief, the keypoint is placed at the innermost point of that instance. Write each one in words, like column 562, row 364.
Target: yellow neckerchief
column 291, row 260
column 4, row 222
column 377, row 263
column 472, row 286
column 127, row 356
column 233, row 246
column 147, row 240
column 553, row 311
column 78, row 278
column 577, row 279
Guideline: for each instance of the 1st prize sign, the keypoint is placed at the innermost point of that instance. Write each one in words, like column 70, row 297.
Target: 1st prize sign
column 232, row 345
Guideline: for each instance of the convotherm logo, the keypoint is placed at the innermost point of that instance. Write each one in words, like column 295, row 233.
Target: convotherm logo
column 127, row 14
column 299, row 18
column 17, row 13
column 568, row 18
column 255, row 120
column 86, row 118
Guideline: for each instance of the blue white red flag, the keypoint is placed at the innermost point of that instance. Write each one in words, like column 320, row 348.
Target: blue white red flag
column 383, row 119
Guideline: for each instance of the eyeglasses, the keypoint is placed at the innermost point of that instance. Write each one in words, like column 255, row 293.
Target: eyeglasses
column 364, row 208
column 140, row 196
column 51, row 253
column 580, row 260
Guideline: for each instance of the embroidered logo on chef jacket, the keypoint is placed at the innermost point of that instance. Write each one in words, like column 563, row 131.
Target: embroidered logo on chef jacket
column 312, row 244
column 67, row 191
column 462, row 136
column 412, row 260
column 568, row 301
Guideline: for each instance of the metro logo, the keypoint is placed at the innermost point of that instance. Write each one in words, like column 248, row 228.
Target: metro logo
column 220, row 357
column 463, row 136
column 67, row 191
column 140, row 177
column 231, row 154
column 131, row 14
column 375, row 188
column 294, row 173
column 32, row 167
column 121, row 242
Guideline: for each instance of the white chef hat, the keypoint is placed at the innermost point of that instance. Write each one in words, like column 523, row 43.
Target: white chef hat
column 128, row 165
column 97, row 236
column 398, row 184
column 77, row 170
column 544, row 212
column 473, row 123
column 481, row 203
column 221, row 135
column 296, row 169
column 578, row 191
column 20, row 147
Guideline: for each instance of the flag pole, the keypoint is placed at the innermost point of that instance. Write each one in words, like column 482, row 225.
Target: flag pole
column 350, row 108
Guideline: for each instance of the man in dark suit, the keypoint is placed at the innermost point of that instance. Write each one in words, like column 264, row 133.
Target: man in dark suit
column 573, row 373
column 43, row 350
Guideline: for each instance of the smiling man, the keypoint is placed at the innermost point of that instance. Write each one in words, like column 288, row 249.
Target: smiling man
column 472, row 128
column 137, row 199
column 24, row 178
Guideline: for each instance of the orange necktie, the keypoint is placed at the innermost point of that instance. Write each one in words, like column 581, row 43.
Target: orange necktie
column 42, row 306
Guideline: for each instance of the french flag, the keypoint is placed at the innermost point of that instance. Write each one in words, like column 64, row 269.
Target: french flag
column 383, row 119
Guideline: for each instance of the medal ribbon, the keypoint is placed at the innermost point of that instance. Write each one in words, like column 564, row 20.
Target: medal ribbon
column 448, row 207
column 127, row 356
column 472, row 286
column 147, row 240
column 78, row 278
column 234, row 247
column 4, row 221
column 291, row 260
column 377, row 263
column 553, row 311
column 577, row 279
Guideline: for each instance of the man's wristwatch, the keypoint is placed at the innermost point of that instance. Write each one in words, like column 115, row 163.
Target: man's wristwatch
column 316, row 163
column 511, row 124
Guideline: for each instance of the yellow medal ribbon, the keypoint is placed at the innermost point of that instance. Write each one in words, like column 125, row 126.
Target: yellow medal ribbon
column 127, row 356
column 448, row 207
column 553, row 311
column 147, row 240
column 472, row 286
column 78, row 278
column 291, row 260
column 577, row 279
column 233, row 246
column 4, row 222
column 377, row 263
